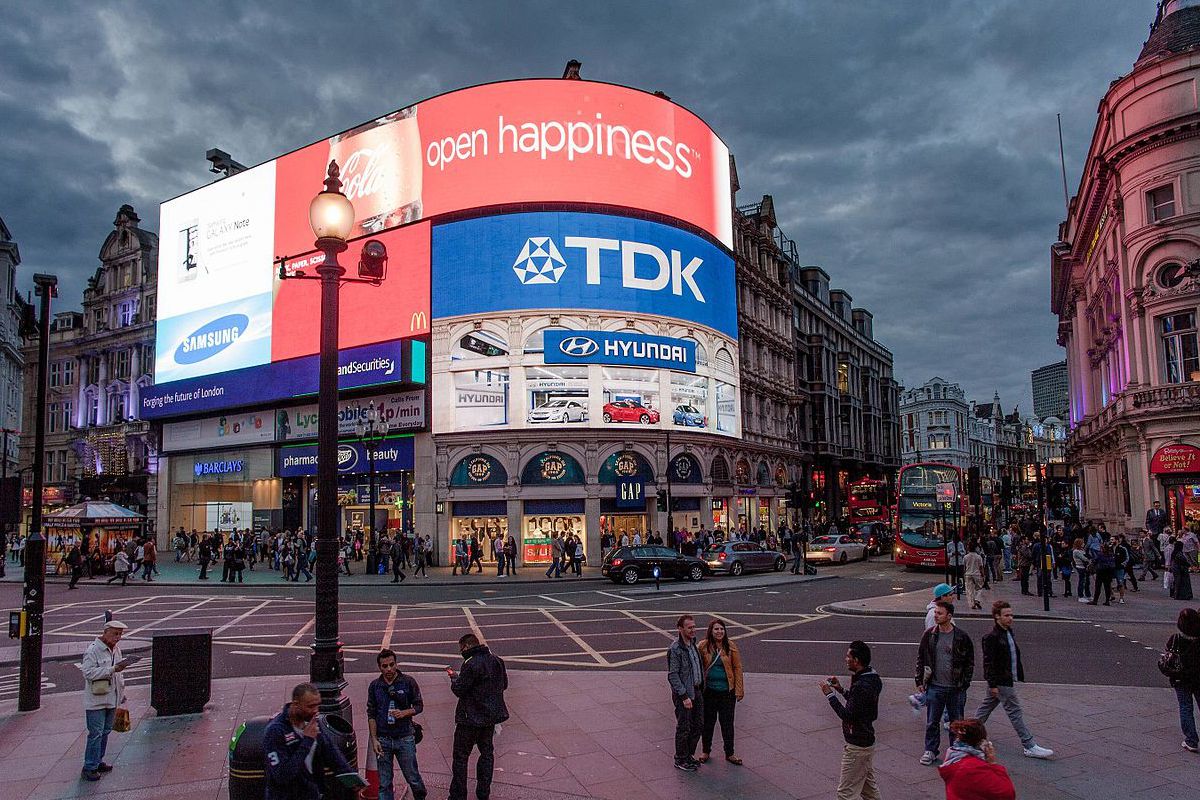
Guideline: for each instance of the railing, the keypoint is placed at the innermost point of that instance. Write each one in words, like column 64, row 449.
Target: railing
column 1136, row 403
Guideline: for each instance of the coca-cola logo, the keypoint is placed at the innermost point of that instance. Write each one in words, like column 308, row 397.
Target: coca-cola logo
column 366, row 171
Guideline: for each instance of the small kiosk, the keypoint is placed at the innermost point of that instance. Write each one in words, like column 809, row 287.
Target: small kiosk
column 104, row 525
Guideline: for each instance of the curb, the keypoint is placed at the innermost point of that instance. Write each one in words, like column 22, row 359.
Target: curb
column 127, row 646
column 341, row 583
column 858, row 611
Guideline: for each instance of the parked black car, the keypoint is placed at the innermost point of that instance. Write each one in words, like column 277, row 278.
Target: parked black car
column 631, row 564
column 735, row 558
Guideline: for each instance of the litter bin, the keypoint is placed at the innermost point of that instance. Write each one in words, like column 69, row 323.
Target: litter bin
column 247, row 770
column 342, row 734
column 181, row 671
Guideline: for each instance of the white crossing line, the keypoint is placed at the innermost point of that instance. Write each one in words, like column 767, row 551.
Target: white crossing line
column 156, row 622
column 579, row 640
column 387, row 631
column 238, row 619
column 622, row 598
column 835, row 642
column 556, row 600
column 249, row 653
column 474, row 625
column 300, row 633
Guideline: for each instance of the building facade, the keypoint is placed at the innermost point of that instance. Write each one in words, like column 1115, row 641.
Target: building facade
column 934, row 424
column 12, row 358
column 101, row 359
column 1051, row 391
column 1125, row 284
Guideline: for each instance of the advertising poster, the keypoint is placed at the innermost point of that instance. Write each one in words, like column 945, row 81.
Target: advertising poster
column 480, row 399
column 227, row 429
column 398, row 411
column 557, row 394
column 573, row 260
column 537, row 532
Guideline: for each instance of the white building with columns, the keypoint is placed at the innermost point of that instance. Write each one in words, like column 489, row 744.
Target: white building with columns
column 100, row 360
column 1125, row 284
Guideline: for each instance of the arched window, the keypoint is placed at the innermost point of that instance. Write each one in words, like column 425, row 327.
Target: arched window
column 479, row 469
column 720, row 470
column 686, row 469
column 701, row 353
column 626, row 464
column 763, row 477
column 724, row 361
column 552, row 469
column 535, row 343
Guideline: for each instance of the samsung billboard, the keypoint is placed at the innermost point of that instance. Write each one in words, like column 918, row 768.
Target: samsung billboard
column 576, row 260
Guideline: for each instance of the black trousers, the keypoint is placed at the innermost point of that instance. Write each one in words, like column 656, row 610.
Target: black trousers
column 466, row 738
column 718, row 705
column 76, row 574
column 689, row 724
column 1104, row 579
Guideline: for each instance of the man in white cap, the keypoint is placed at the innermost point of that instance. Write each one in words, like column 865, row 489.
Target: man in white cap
column 940, row 592
column 103, row 691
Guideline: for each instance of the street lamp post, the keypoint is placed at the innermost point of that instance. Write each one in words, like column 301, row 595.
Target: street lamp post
column 30, row 686
column 370, row 431
column 331, row 216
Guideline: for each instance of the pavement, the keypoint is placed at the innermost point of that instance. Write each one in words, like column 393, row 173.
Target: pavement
column 576, row 734
column 1151, row 605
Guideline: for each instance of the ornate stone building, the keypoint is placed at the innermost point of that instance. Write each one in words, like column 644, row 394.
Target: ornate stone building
column 100, row 360
column 11, row 357
column 1125, row 284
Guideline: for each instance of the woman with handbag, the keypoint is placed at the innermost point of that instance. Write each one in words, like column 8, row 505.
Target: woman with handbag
column 103, row 693
column 1180, row 662
column 723, row 689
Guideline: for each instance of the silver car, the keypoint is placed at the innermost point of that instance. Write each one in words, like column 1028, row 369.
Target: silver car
column 734, row 558
column 840, row 548
column 560, row 410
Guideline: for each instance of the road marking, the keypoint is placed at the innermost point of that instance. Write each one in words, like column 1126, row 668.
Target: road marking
column 303, row 630
column 387, row 631
column 249, row 653
column 579, row 640
column 620, row 597
column 649, row 625
column 238, row 619
column 560, row 602
column 835, row 642
column 480, row 602
column 474, row 625
column 160, row 620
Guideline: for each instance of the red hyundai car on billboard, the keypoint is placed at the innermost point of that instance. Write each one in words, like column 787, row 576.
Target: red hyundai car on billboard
column 629, row 411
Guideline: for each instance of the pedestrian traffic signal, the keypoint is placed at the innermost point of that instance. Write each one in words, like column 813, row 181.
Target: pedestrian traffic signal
column 662, row 499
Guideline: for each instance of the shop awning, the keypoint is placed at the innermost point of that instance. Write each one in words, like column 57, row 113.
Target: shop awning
column 95, row 513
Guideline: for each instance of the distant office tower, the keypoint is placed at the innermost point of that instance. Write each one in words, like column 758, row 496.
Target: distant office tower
column 1050, row 391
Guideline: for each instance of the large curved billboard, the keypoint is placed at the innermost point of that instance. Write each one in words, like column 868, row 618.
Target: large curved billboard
column 221, row 307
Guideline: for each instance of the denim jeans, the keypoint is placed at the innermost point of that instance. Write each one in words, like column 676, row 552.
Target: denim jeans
column 99, row 726
column 1012, row 706
column 405, row 751
column 1187, row 714
column 937, row 700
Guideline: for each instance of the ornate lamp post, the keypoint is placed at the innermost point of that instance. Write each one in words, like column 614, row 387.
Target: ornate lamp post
column 331, row 216
column 370, row 431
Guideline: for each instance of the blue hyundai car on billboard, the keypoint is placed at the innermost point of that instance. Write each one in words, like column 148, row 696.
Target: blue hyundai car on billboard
column 689, row 416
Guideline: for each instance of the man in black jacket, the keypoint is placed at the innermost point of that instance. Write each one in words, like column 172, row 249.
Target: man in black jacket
column 479, row 688
column 858, row 716
column 297, row 751
column 1001, row 667
column 945, row 663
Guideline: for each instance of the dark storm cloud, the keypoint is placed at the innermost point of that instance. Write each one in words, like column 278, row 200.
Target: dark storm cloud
column 910, row 147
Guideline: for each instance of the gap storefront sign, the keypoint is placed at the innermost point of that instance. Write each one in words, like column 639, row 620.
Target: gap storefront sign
column 619, row 348
column 574, row 260
column 391, row 455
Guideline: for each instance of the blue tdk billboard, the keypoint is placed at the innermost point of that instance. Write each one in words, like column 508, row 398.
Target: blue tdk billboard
column 572, row 260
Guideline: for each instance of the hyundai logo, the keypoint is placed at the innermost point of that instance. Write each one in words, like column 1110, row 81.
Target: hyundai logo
column 211, row 338
column 578, row 346
column 347, row 458
column 539, row 262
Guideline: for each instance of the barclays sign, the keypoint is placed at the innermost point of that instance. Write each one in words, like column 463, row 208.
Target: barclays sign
column 619, row 349
column 203, row 469
column 575, row 260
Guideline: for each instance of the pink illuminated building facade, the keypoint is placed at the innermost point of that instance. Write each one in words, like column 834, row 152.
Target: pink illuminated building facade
column 1125, row 284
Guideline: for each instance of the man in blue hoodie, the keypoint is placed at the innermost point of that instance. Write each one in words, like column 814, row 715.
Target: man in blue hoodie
column 858, row 716
column 297, row 750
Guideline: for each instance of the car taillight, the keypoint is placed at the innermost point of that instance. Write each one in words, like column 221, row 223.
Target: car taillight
column 722, row 556
column 830, row 549
column 616, row 562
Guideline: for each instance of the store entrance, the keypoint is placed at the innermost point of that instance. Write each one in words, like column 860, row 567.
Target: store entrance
column 627, row 524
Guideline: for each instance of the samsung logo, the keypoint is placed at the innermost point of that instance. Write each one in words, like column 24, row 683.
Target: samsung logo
column 211, row 339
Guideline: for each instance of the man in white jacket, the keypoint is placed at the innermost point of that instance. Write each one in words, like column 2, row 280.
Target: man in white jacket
column 103, row 691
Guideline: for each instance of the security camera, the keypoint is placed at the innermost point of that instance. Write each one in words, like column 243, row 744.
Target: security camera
column 372, row 264
column 223, row 163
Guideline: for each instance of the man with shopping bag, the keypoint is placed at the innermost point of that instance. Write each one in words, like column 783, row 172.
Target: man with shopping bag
column 103, row 693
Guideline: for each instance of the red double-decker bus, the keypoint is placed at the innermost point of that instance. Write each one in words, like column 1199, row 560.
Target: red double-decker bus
column 870, row 512
column 931, row 506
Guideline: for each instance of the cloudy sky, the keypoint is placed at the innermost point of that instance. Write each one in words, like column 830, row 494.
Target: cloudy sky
column 910, row 145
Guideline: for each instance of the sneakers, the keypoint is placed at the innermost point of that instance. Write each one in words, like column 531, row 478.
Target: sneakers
column 89, row 775
column 1038, row 752
column 945, row 726
column 914, row 701
column 1083, row 599
column 1191, row 748
column 103, row 768
column 686, row 766
column 928, row 757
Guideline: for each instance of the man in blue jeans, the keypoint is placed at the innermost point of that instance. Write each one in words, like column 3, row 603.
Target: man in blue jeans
column 103, row 691
column 945, row 663
column 393, row 699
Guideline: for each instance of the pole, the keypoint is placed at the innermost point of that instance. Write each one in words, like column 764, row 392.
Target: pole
column 670, row 521
column 371, row 463
column 30, row 692
column 945, row 539
column 326, row 666
column 1046, row 557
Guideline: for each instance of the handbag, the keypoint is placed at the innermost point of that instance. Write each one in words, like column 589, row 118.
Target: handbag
column 1170, row 662
column 121, row 722
column 101, row 686
column 418, row 733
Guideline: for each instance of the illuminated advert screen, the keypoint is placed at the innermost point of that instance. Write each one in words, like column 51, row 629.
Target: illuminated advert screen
column 222, row 308
column 623, row 322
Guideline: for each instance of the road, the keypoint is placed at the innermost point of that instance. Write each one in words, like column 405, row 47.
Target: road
column 781, row 627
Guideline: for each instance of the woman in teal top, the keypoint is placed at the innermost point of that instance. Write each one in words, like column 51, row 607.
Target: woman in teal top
column 722, row 687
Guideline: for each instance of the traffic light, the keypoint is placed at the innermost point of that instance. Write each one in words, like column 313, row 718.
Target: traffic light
column 662, row 499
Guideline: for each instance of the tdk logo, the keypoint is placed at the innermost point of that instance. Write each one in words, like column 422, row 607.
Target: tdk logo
column 578, row 346
column 540, row 262
column 211, row 339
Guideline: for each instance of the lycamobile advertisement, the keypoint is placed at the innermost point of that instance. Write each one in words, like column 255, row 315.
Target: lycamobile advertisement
column 395, row 412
